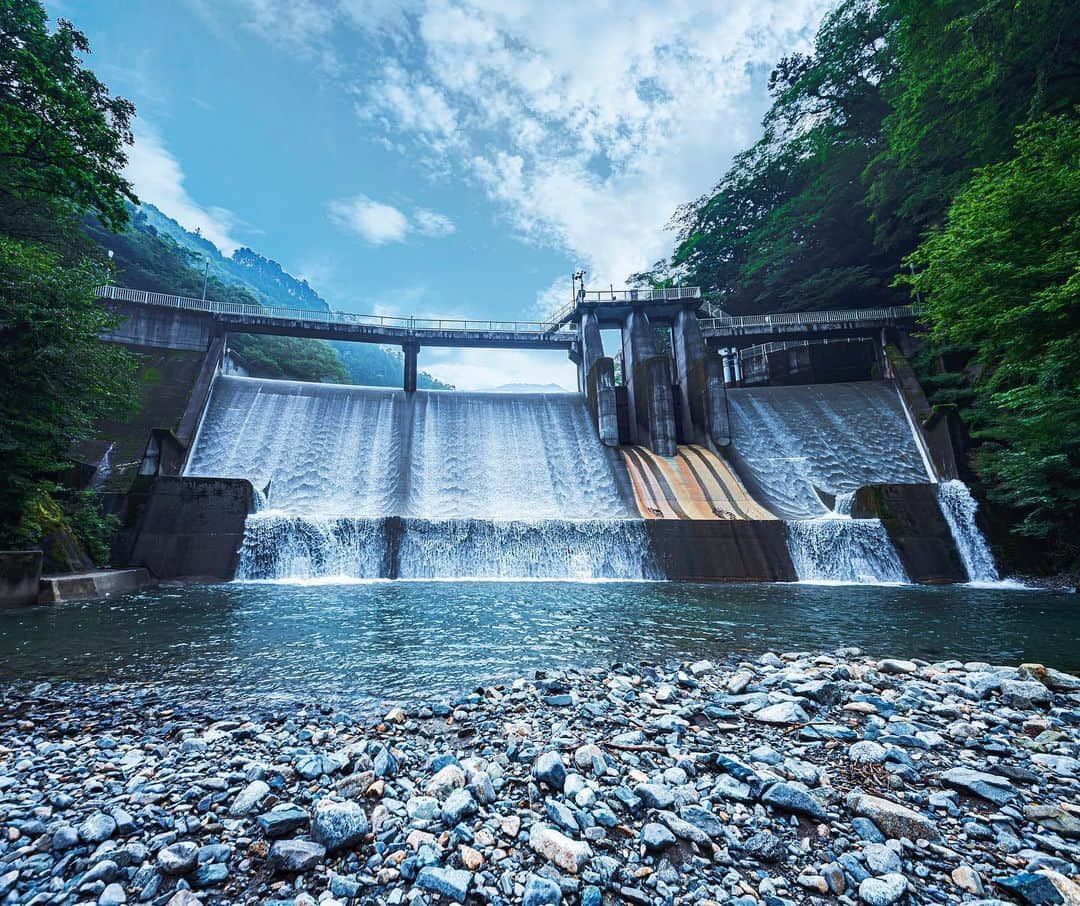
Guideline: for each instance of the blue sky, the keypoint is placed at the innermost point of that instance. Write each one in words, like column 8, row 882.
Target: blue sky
column 450, row 157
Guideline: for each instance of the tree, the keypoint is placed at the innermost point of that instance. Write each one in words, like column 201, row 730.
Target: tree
column 1003, row 279
column 58, row 378
column 62, row 135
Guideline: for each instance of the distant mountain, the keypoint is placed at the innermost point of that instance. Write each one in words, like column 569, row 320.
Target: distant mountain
column 271, row 284
column 527, row 388
column 156, row 253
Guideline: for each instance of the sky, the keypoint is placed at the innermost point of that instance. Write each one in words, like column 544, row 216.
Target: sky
column 451, row 158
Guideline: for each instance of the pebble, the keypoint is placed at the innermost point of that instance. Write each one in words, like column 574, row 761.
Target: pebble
column 794, row 776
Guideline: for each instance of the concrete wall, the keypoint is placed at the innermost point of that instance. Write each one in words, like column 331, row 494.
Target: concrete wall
column 913, row 519
column 933, row 424
column 188, row 527
column 718, row 550
column 647, row 374
column 20, row 573
column 161, row 328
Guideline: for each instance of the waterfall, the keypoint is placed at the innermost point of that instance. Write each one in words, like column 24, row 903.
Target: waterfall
column 959, row 508
column 371, row 482
column 837, row 548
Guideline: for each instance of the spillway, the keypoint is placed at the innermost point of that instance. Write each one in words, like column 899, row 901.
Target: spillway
column 803, row 449
column 371, row 482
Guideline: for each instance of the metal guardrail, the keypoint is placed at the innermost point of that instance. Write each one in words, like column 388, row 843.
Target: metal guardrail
column 614, row 296
column 808, row 318
column 764, row 349
column 317, row 316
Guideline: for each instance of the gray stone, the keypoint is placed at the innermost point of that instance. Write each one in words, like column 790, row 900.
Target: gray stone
column 703, row 819
column 656, row 836
column 991, row 787
column 338, row 825
column 282, row 819
column 893, row 819
column 765, row 846
column 1024, row 694
column 895, row 666
column 295, row 856
column 782, row 713
column 450, row 882
column 868, row 752
column 541, row 892
column 112, row 895
column 881, row 859
column 569, row 855
column 97, row 828
column 458, row 805
column 653, row 795
column 179, row 858
column 247, row 801
column 549, row 769
column 65, row 837
column 789, row 798
column 883, row 891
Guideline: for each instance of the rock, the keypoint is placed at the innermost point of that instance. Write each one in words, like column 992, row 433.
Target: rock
column 884, row 890
column 966, row 878
column 105, row 870
column 1052, row 679
column 65, row 837
column 653, row 795
column 789, row 798
column 700, row 668
column 422, row 808
column 893, row 819
column 445, row 781
column 1023, row 694
column 295, row 856
column 782, row 713
column 991, row 787
column 96, row 829
column 179, row 858
column 656, row 836
column 569, row 855
column 585, row 756
column 458, row 805
column 684, row 830
column 549, row 769
column 282, row 819
column 881, row 859
column 338, row 825
column 210, row 874
column 1054, row 818
column 449, row 882
column 471, row 858
column 765, row 846
column 184, row 898
column 112, row 895
column 541, row 892
column 702, row 819
column 867, row 752
column 247, row 801
column 1031, row 888
column 891, row 665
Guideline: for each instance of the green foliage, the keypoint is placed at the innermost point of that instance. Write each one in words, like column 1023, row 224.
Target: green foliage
column 1003, row 278
column 62, row 136
column 93, row 528
column 291, row 358
column 58, row 378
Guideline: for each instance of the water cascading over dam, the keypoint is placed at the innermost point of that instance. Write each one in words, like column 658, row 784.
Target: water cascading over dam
column 371, row 482
column 803, row 450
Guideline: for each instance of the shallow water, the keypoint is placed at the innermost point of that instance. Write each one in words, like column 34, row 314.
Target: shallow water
column 427, row 639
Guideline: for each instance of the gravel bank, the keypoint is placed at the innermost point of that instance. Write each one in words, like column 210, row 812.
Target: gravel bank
column 794, row 778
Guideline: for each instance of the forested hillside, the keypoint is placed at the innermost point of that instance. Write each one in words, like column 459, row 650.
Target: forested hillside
column 928, row 149
column 155, row 253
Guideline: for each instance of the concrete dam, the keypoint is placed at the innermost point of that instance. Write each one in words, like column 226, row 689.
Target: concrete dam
column 662, row 465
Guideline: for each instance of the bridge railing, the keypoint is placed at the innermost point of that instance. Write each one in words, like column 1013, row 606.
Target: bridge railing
column 807, row 318
column 616, row 296
column 142, row 297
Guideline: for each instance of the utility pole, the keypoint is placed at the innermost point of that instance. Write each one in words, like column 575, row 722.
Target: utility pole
column 205, row 276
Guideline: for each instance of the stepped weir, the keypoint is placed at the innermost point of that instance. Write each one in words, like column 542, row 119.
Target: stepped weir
column 660, row 466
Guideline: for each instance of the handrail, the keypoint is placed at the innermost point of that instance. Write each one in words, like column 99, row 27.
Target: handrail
column 763, row 349
column 799, row 318
column 614, row 296
column 122, row 294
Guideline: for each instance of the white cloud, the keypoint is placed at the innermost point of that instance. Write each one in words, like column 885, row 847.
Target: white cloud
column 485, row 369
column 159, row 179
column 587, row 123
column 371, row 220
column 379, row 223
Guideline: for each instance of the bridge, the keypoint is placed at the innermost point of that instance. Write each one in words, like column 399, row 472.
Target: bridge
column 752, row 330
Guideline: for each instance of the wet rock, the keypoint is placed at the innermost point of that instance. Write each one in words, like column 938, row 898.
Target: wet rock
column 282, row 820
column 1030, row 888
column 656, row 836
column 179, row 858
column 112, row 895
column 449, row 882
column 295, row 856
column 541, row 892
column 338, row 825
column 97, row 828
column 790, row 798
column 247, row 801
column 883, row 891
column 653, row 795
column 549, row 769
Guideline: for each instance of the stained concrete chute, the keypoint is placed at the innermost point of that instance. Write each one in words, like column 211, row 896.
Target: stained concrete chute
column 648, row 379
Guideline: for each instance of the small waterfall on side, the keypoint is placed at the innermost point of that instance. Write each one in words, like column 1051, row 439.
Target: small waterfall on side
column 959, row 508
column 841, row 549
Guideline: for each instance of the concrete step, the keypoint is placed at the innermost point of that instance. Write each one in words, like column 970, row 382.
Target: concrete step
column 100, row 583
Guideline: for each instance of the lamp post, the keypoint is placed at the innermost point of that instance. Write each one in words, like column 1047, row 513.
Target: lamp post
column 206, row 275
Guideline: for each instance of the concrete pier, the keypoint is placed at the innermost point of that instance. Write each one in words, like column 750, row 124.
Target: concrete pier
column 703, row 410
column 647, row 374
column 412, row 353
column 596, row 379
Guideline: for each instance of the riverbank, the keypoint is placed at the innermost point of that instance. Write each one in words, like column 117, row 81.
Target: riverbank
column 785, row 779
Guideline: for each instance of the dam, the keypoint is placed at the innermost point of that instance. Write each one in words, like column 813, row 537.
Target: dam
column 670, row 469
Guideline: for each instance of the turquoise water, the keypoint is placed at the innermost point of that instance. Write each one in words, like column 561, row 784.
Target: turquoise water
column 430, row 639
